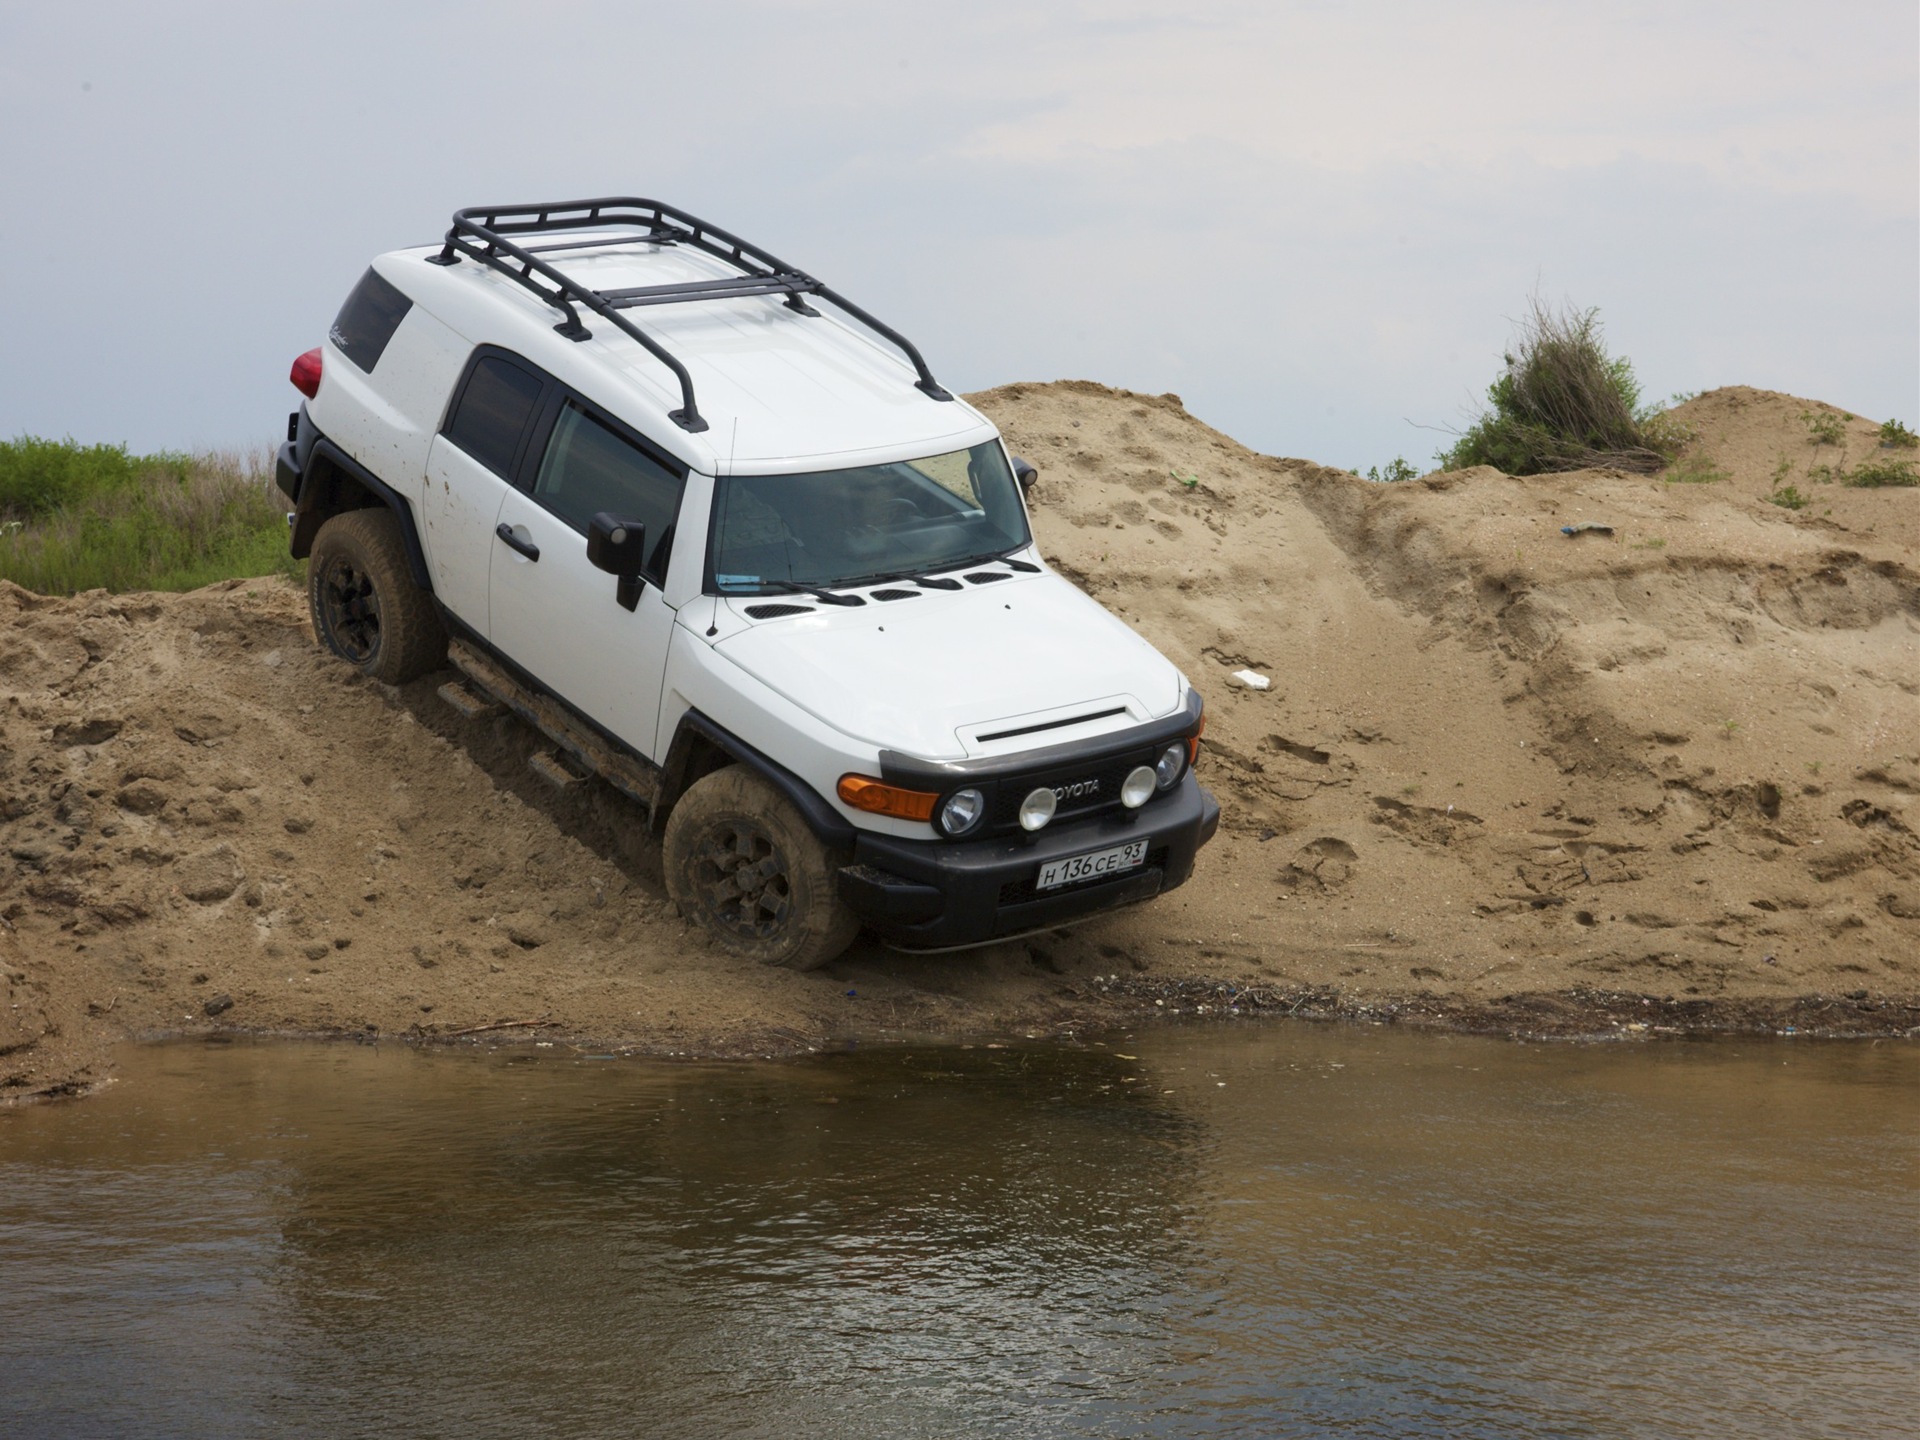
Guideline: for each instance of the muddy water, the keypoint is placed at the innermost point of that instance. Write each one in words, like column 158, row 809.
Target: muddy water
column 1260, row 1231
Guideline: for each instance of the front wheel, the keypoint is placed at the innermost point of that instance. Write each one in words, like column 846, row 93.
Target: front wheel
column 740, row 861
column 366, row 608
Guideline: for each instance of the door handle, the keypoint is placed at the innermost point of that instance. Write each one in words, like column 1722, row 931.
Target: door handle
column 514, row 542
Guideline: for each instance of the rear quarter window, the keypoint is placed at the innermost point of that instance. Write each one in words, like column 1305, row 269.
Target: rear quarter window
column 367, row 321
column 492, row 413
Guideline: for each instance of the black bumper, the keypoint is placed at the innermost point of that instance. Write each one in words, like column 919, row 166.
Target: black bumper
column 286, row 471
column 929, row 894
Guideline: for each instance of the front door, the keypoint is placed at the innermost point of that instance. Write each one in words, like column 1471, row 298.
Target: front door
column 555, row 615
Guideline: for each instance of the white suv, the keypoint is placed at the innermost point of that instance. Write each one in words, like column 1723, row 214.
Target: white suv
column 800, row 618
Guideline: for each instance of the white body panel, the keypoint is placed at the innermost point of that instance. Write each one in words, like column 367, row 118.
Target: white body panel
column 923, row 675
column 387, row 421
column 700, row 678
column 557, row 618
column 459, row 507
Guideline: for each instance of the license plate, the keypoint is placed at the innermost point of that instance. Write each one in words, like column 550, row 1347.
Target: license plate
column 1056, row 873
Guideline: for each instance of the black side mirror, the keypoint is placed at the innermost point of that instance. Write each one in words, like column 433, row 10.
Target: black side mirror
column 618, row 547
column 1025, row 474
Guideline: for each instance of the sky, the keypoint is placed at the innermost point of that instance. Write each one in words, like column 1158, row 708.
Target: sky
column 1315, row 222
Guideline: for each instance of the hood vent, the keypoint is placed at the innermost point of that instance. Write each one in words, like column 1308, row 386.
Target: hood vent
column 894, row 595
column 777, row 612
column 986, row 577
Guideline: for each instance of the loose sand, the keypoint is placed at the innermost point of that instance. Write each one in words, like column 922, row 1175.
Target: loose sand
column 1608, row 783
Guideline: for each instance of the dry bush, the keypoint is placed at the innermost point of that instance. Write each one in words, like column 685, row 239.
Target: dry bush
column 1564, row 404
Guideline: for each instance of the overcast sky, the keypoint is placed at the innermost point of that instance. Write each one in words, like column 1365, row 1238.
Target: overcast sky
column 1314, row 221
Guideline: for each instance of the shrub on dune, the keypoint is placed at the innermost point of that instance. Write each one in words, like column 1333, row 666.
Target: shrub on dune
column 1563, row 403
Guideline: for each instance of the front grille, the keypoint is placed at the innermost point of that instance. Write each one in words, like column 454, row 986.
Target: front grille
column 1098, row 785
column 1018, row 892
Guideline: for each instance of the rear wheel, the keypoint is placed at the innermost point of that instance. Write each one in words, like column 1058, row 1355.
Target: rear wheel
column 366, row 608
column 741, row 862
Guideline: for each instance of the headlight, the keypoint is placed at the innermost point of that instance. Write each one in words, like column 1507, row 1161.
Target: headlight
column 1168, row 768
column 1037, row 809
column 1137, row 788
column 962, row 811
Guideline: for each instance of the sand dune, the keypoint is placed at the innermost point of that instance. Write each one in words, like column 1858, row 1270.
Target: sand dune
column 1496, row 762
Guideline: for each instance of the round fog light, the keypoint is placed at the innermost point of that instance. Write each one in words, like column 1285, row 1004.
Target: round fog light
column 1167, row 768
column 962, row 811
column 1037, row 809
column 1137, row 788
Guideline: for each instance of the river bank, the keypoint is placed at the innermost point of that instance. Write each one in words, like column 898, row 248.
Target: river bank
column 1504, row 779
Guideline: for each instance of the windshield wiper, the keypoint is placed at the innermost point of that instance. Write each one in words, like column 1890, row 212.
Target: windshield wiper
column 995, row 557
column 904, row 577
column 825, row 597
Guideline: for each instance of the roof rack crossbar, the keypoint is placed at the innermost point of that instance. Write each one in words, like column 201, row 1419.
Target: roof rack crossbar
column 480, row 233
column 711, row 290
column 603, row 243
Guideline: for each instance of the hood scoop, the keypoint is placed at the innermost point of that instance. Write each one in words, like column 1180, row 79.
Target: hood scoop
column 1019, row 730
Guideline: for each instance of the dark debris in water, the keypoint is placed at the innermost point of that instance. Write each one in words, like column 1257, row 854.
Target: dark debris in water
column 1576, row 1014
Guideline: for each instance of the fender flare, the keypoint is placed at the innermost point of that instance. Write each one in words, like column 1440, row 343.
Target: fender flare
column 833, row 828
column 320, row 500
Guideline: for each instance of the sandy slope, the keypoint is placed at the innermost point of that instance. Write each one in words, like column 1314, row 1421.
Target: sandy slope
column 1675, row 761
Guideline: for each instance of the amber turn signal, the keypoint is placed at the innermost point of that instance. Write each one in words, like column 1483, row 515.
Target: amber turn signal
column 864, row 793
column 1193, row 743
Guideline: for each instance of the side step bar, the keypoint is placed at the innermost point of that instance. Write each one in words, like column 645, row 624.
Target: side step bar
column 633, row 777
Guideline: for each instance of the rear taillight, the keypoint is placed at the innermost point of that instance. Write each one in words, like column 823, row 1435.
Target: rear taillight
column 306, row 373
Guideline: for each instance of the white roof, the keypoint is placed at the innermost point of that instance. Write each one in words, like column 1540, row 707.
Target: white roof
column 780, row 392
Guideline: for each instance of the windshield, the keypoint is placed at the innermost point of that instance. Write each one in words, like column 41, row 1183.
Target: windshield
column 838, row 527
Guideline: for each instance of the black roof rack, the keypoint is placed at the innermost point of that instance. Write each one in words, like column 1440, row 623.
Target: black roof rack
column 480, row 233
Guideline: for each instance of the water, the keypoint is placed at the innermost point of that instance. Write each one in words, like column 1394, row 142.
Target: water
column 1254, row 1231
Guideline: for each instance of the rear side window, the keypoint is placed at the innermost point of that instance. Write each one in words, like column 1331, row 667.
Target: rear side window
column 495, row 405
column 367, row 321
column 588, row 468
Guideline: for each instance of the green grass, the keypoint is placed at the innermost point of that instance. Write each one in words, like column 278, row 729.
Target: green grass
column 38, row 477
column 1397, row 471
column 1788, row 497
column 1879, row 474
column 1895, row 436
column 1563, row 403
column 1824, row 427
column 76, row 517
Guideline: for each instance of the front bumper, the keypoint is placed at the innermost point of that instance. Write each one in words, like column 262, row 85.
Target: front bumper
column 931, row 894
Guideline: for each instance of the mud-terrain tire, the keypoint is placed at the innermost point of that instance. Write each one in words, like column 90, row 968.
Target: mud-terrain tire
column 366, row 608
column 740, row 862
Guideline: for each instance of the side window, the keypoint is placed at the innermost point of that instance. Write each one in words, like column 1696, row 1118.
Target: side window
column 588, row 468
column 492, row 414
column 367, row 321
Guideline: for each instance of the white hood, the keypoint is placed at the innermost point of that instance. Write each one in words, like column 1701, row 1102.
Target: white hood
column 931, row 676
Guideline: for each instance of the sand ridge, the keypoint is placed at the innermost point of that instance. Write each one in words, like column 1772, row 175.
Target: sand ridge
column 1496, row 762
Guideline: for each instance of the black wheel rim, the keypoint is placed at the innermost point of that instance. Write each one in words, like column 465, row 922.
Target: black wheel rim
column 741, row 877
column 351, row 607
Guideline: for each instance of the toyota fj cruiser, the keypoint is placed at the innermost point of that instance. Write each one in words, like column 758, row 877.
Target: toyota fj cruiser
column 801, row 620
